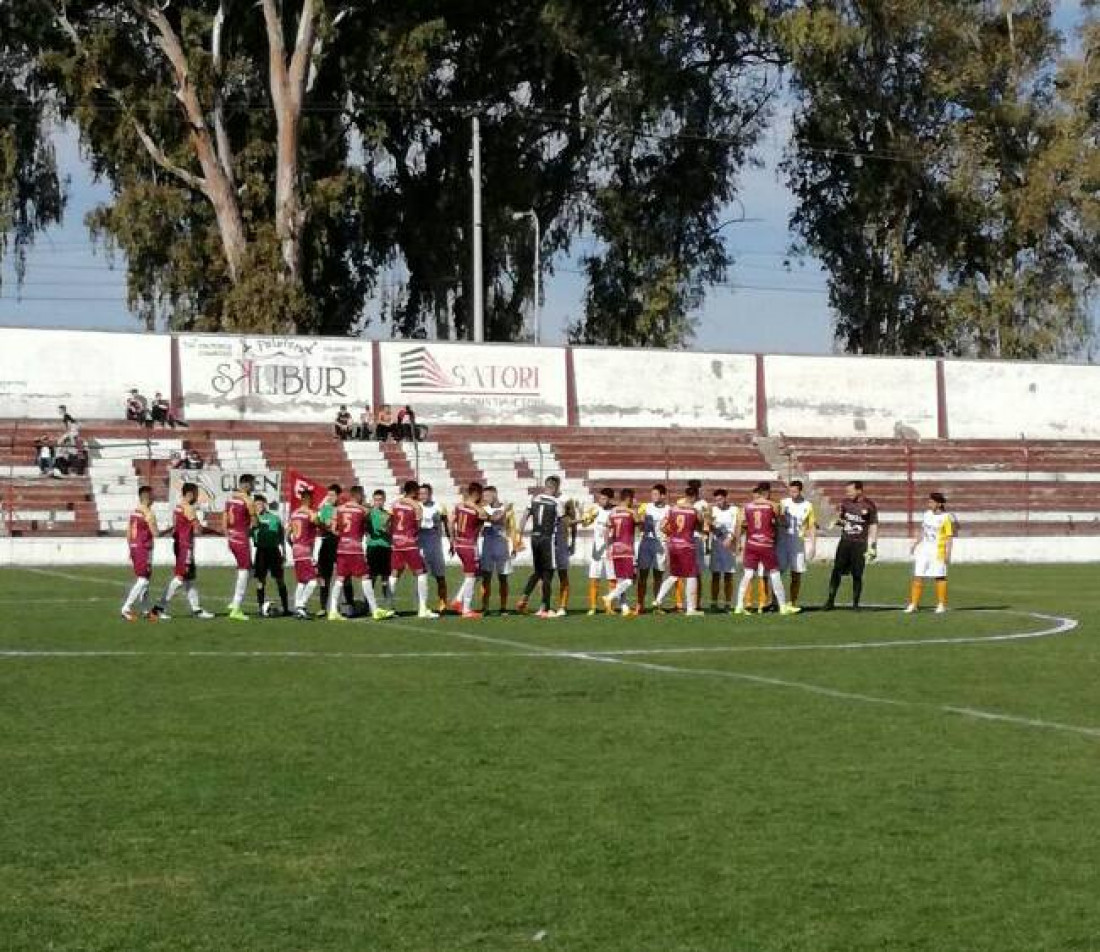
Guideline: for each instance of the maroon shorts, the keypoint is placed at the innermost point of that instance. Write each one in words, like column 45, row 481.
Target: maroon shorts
column 623, row 567
column 242, row 552
column 468, row 558
column 410, row 559
column 142, row 561
column 185, row 562
column 305, row 571
column 681, row 562
column 351, row 565
column 760, row 556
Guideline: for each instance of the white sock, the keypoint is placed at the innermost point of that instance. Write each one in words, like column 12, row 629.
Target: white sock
column 620, row 590
column 391, row 586
column 743, row 588
column 170, row 592
column 422, row 591
column 692, row 592
column 666, row 586
column 298, row 596
column 307, row 592
column 468, row 592
column 137, row 593
column 368, row 594
column 192, row 596
column 777, row 587
column 240, row 589
column 334, row 595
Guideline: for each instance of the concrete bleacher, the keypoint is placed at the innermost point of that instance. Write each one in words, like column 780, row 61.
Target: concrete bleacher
column 996, row 487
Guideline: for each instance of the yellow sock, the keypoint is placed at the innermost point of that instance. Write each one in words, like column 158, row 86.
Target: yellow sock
column 593, row 591
column 941, row 591
column 914, row 591
column 761, row 592
column 680, row 594
column 563, row 600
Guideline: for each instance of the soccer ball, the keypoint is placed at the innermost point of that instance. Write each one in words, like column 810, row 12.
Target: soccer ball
column 266, row 610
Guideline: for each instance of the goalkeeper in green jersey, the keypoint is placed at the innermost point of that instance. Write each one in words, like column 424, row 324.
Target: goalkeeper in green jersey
column 269, row 538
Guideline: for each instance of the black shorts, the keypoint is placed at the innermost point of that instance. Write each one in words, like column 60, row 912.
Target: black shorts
column 268, row 562
column 326, row 556
column 851, row 557
column 542, row 554
column 379, row 559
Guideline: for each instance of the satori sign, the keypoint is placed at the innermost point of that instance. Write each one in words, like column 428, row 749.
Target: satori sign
column 464, row 383
column 273, row 378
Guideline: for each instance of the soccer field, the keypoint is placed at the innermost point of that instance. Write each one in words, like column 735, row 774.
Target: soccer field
column 823, row 782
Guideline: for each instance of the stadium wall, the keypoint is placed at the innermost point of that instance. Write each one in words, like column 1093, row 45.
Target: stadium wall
column 212, row 552
column 273, row 379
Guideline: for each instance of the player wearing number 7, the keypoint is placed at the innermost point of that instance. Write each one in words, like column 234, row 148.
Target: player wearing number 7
column 761, row 529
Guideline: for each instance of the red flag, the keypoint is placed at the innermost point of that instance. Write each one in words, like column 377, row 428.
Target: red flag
column 296, row 482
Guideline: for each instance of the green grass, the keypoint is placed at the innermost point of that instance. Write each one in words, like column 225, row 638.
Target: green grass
column 478, row 793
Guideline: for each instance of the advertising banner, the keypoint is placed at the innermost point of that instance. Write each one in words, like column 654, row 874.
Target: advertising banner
column 89, row 372
column 217, row 485
column 276, row 379
column 470, row 383
column 635, row 388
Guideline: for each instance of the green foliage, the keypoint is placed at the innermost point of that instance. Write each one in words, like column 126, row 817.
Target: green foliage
column 932, row 164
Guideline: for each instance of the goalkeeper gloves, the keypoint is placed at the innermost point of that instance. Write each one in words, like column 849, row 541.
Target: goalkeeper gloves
column 872, row 553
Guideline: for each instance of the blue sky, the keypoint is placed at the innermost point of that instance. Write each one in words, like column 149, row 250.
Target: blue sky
column 71, row 284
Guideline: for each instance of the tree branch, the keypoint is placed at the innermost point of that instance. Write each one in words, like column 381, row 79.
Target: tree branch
column 196, row 182
column 276, row 47
column 303, row 51
column 221, row 136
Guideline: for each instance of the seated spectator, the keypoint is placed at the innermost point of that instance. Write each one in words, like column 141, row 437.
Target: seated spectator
column 43, row 455
column 407, row 425
column 193, row 461
column 342, row 428
column 384, row 424
column 176, row 461
column 63, row 461
column 137, row 409
column 362, row 431
column 80, row 456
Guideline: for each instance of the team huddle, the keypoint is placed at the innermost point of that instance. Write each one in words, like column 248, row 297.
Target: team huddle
column 336, row 541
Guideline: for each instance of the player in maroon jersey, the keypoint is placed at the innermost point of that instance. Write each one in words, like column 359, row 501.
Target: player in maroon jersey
column 622, row 526
column 304, row 529
column 406, row 514
column 760, row 525
column 185, row 525
column 466, row 522
column 141, row 532
column 240, row 517
column 679, row 527
column 350, row 525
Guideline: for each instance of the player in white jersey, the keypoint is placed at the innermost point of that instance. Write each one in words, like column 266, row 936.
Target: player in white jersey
column 652, row 549
column 797, row 545
column 724, row 524
column 429, row 539
column 497, row 540
column 702, row 540
column 932, row 552
column 599, row 562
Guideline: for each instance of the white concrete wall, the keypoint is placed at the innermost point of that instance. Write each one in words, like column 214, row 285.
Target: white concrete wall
column 661, row 388
column 213, row 552
column 997, row 399
column 273, row 379
column 470, row 383
column 90, row 372
column 850, row 396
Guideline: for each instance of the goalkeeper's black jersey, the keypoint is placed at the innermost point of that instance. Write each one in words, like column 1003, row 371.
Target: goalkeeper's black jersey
column 545, row 510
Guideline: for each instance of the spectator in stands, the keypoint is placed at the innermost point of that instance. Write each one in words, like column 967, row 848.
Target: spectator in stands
column 137, row 409
column 343, row 424
column 161, row 412
column 43, row 454
column 407, row 426
column 176, row 461
column 63, row 459
column 366, row 418
column 80, row 456
column 193, row 461
column 68, row 420
column 384, row 424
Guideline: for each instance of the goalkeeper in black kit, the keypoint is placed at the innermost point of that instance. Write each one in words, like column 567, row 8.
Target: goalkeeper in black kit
column 858, row 521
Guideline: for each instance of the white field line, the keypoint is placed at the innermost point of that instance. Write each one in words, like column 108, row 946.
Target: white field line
column 53, row 573
column 807, row 687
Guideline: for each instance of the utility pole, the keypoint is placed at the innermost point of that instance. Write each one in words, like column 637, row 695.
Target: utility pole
column 477, row 298
column 536, row 310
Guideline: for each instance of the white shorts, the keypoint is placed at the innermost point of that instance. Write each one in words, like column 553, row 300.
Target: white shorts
column 928, row 564
column 652, row 555
column 791, row 552
column 599, row 563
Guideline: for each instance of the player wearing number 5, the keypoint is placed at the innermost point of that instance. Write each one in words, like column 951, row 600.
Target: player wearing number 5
column 932, row 552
